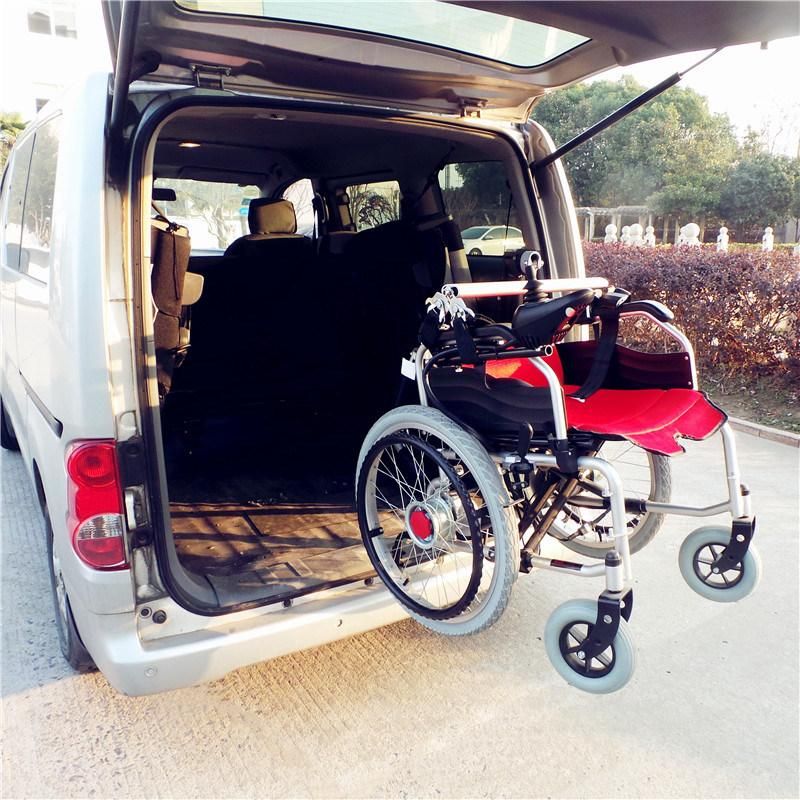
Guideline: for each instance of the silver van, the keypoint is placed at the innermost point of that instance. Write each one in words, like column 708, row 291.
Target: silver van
column 215, row 261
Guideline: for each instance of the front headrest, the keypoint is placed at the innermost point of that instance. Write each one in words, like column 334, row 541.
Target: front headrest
column 271, row 216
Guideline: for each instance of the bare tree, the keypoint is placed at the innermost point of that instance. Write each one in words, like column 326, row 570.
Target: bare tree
column 370, row 207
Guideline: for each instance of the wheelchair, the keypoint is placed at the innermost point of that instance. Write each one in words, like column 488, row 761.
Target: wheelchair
column 520, row 434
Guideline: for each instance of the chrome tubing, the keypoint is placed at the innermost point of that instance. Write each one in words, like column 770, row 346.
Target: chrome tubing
column 675, row 333
column 556, row 396
column 419, row 364
column 618, row 521
column 509, row 288
column 737, row 505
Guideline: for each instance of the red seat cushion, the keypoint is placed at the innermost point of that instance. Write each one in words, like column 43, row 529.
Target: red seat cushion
column 650, row 418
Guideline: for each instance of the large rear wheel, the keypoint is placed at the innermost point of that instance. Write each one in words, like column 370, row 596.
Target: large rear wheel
column 584, row 525
column 435, row 520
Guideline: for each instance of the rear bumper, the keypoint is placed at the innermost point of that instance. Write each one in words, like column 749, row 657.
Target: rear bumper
column 135, row 666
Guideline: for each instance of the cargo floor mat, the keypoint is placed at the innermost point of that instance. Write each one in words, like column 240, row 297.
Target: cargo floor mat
column 283, row 547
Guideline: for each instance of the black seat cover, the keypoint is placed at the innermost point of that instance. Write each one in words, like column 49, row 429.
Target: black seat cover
column 258, row 302
column 492, row 406
column 393, row 268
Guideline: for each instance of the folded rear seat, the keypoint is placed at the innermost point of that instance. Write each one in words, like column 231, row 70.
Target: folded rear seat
column 173, row 290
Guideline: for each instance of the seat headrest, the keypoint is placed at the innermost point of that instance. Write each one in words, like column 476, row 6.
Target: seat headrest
column 271, row 216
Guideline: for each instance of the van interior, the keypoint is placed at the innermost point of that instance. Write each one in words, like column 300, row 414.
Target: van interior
column 290, row 347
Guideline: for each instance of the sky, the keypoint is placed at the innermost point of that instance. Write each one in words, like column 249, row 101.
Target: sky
column 754, row 87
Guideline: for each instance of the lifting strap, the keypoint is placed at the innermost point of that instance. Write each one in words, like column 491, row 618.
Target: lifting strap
column 607, row 309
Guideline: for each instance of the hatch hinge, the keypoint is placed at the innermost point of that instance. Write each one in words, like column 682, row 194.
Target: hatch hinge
column 471, row 107
column 210, row 76
column 133, row 475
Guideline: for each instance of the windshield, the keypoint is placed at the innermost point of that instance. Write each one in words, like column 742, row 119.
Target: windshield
column 467, row 30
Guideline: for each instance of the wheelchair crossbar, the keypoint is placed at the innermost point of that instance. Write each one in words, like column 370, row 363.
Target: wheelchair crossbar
column 634, row 505
column 511, row 288
column 616, row 500
column 580, row 570
column 687, row 511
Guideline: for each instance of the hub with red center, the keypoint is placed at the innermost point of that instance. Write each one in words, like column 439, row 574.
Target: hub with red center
column 420, row 525
column 430, row 520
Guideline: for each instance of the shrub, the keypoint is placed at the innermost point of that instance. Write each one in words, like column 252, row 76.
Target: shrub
column 741, row 310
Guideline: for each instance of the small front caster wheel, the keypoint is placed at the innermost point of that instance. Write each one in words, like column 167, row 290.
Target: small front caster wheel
column 567, row 629
column 700, row 550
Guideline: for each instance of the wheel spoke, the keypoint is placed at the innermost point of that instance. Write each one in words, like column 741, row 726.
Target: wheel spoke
column 603, row 658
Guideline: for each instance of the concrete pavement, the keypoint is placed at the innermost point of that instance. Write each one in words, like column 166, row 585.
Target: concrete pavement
column 711, row 712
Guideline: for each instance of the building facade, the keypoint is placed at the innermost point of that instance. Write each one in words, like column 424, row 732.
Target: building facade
column 44, row 47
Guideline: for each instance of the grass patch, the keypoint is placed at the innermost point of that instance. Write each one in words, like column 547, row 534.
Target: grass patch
column 771, row 399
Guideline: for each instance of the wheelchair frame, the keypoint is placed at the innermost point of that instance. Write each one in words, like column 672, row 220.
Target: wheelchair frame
column 616, row 601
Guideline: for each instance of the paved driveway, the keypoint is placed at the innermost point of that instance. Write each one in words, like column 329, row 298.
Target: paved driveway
column 712, row 710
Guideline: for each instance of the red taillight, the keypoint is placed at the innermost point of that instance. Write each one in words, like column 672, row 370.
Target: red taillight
column 93, row 465
column 95, row 505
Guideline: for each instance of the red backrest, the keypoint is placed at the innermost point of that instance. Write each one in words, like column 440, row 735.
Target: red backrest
column 523, row 370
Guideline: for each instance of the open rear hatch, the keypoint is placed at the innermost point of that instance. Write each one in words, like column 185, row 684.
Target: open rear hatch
column 429, row 55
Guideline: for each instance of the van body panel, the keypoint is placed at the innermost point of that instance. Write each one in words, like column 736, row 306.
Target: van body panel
column 137, row 667
column 62, row 370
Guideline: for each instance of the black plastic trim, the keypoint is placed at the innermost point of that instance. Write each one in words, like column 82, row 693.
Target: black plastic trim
column 53, row 422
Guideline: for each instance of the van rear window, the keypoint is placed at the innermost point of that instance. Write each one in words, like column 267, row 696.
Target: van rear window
column 473, row 31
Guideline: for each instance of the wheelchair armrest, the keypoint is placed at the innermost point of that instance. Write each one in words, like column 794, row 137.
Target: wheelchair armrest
column 545, row 322
column 494, row 331
column 652, row 308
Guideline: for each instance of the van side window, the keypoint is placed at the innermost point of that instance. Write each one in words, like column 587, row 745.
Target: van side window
column 38, row 214
column 18, row 180
column 301, row 195
column 477, row 194
column 372, row 204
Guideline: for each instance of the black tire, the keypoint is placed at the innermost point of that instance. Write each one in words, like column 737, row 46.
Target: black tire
column 8, row 441
column 475, row 252
column 475, row 471
column 642, row 527
column 404, row 551
column 72, row 648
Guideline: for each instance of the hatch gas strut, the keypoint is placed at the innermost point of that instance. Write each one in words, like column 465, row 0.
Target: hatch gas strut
column 622, row 111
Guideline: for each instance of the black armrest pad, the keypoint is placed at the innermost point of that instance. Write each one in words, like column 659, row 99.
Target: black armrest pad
column 539, row 323
column 652, row 307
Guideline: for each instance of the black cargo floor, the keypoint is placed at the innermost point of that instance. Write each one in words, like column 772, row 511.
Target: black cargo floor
column 265, row 515
column 224, row 538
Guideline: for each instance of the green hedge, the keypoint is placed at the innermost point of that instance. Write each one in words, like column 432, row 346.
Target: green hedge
column 740, row 309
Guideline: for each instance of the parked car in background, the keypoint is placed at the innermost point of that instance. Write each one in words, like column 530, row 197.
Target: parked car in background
column 491, row 240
